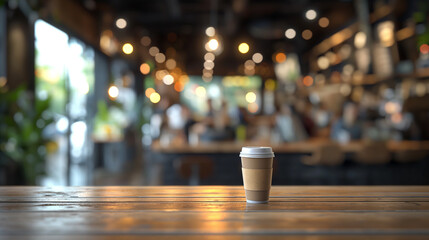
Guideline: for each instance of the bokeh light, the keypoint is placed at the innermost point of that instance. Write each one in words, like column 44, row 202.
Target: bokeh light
column 324, row 22
column 257, row 58
column 243, row 48
column 290, row 33
column 212, row 45
column 149, row 92
column 209, row 57
column 424, row 49
column 155, row 97
column 145, row 68
column 210, row 31
column 113, row 92
column 160, row 57
column 153, row 51
column 145, row 41
column 280, row 57
column 127, row 48
column 307, row 81
column 170, row 64
column 311, row 14
column 250, row 97
column 200, row 91
column 307, row 34
column 121, row 23
column 168, row 79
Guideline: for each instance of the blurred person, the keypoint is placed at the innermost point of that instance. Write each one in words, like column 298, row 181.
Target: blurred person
column 347, row 127
column 303, row 111
column 288, row 123
column 215, row 125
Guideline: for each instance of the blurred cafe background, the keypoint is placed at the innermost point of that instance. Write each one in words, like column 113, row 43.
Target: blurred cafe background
column 129, row 92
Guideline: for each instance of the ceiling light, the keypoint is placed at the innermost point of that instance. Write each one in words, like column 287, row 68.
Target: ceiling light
column 160, row 58
column 153, row 51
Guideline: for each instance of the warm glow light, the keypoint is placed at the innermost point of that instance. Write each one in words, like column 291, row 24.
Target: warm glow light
column 153, row 51
column 170, row 64
column 307, row 81
column 184, row 79
column 250, row 97
column 121, row 23
column 155, row 97
column 179, row 86
column 385, row 33
column 392, row 107
column 360, row 40
column 213, row 44
column 149, row 92
column 257, row 58
column 323, row 62
column 210, row 31
column 424, row 49
column 243, row 48
column 280, row 57
column 127, row 48
column 160, row 57
column 252, row 107
column 209, row 57
column 249, row 64
column 307, row 34
column 200, row 92
column 249, row 71
column 324, row 22
column 160, row 74
column 145, row 41
column 290, row 33
column 311, row 14
column 113, row 92
column 145, row 68
column 168, row 79
column 209, row 65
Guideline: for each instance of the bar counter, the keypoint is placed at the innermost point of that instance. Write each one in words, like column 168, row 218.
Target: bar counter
column 215, row 212
column 293, row 147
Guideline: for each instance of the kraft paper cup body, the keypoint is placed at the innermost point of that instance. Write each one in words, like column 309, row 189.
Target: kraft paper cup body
column 257, row 169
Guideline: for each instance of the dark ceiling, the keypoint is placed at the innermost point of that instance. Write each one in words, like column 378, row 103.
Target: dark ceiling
column 260, row 23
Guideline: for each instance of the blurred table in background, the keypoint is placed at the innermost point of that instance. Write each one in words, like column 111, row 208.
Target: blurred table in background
column 405, row 163
column 216, row 212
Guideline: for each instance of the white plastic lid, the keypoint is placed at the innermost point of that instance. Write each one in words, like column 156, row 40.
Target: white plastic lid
column 256, row 152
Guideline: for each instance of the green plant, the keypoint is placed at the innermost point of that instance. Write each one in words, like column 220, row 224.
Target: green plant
column 22, row 124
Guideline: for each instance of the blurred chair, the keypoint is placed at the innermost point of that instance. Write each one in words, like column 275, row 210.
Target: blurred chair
column 194, row 168
column 373, row 153
column 328, row 154
column 409, row 156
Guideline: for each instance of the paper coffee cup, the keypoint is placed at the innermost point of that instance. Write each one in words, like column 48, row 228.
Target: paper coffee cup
column 257, row 169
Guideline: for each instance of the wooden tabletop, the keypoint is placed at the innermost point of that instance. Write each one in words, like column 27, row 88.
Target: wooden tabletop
column 308, row 146
column 214, row 212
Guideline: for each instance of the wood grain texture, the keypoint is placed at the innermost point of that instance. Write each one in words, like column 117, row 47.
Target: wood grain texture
column 214, row 212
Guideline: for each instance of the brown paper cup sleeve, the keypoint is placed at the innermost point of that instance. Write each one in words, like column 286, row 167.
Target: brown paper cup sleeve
column 257, row 179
